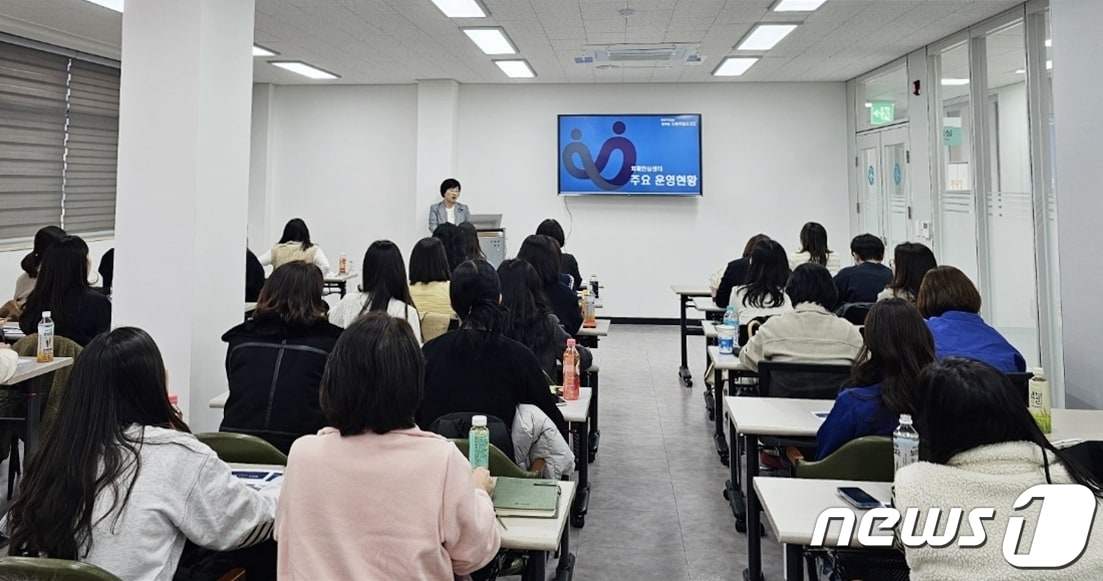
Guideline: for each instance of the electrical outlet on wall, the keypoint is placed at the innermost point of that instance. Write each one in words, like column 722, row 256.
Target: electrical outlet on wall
column 923, row 229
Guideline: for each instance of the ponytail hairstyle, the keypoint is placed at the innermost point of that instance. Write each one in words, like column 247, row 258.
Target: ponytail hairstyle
column 476, row 298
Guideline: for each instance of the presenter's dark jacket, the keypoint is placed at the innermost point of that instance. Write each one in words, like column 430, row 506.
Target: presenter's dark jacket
column 438, row 215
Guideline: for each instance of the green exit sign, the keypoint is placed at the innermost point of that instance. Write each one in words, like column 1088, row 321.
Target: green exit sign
column 882, row 113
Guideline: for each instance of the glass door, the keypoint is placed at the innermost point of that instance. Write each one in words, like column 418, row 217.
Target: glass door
column 870, row 215
column 894, row 179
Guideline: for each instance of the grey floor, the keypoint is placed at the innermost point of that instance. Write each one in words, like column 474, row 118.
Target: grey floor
column 656, row 509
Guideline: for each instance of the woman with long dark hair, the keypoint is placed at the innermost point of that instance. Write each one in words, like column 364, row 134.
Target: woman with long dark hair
column 734, row 274
column 119, row 482
column 62, row 288
column 897, row 348
column 477, row 369
column 542, row 253
column 529, row 320
column 911, row 261
column 763, row 295
column 469, row 236
column 384, row 288
column 981, row 448
column 275, row 360
column 295, row 245
column 429, row 275
column 452, row 239
column 813, row 248
column 568, row 263
column 43, row 239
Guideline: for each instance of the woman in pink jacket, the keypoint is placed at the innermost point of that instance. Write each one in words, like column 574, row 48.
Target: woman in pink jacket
column 373, row 496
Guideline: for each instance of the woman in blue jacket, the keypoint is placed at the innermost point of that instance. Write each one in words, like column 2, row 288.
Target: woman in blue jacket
column 897, row 348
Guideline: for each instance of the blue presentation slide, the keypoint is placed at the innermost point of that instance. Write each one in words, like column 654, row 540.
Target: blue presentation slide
column 630, row 154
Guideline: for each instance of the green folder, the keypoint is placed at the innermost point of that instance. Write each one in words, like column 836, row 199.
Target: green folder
column 526, row 497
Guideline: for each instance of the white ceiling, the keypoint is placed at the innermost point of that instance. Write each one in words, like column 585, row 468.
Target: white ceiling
column 401, row 41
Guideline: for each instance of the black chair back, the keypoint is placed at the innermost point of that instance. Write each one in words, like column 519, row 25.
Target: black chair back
column 457, row 426
column 1021, row 381
column 854, row 312
column 802, row 380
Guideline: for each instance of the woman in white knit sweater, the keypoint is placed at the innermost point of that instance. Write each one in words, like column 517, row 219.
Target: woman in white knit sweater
column 982, row 448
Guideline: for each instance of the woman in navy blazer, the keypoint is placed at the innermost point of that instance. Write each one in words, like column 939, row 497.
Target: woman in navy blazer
column 438, row 213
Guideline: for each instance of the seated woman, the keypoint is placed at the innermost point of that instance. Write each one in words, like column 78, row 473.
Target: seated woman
column 120, row 483
column 763, row 295
column 432, row 517
column 469, row 239
column 275, row 361
column 910, row 263
column 295, row 245
column 734, row 274
column 984, row 449
column 429, row 274
column 79, row 313
column 897, row 348
column 808, row 334
column 813, row 248
column 529, row 320
column 951, row 305
column 383, row 289
column 475, row 368
column 568, row 265
column 452, row 239
column 543, row 254
column 43, row 239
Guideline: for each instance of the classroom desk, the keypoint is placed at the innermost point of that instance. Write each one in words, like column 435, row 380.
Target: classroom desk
column 706, row 305
column 219, row 401
column 589, row 336
column 335, row 282
column 685, row 293
column 577, row 414
column 590, row 379
column 250, row 307
column 709, row 329
column 733, row 366
column 1084, row 425
column 792, row 506
column 29, row 368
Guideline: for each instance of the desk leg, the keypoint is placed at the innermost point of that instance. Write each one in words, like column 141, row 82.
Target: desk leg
column 535, row 568
column 794, row 562
column 34, row 415
column 753, row 572
column 595, row 433
column 718, row 410
column 733, row 493
column 582, row 497
column 564, row 571
column 683, row 371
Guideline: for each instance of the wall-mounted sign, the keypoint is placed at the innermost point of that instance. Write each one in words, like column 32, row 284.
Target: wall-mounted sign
column 882, row 113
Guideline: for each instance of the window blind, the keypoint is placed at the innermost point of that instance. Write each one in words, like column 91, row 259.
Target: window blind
column 92, row 146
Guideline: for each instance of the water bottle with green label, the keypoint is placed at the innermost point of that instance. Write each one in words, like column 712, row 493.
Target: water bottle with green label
column 478, row 443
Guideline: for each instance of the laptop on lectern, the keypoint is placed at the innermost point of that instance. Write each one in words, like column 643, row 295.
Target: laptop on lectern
column 486, row 221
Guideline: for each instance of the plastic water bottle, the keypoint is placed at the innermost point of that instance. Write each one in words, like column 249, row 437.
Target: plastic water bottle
column 174, row 403
column 343, row 264
column 46, row 338
column 729, row 317
column 478, row 442
column 571, row 379
column 905, row 443
column 595, row 286
column 1039, row 401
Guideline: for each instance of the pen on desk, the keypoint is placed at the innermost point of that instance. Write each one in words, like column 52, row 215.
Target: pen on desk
column 501, row 522
column 546, row 484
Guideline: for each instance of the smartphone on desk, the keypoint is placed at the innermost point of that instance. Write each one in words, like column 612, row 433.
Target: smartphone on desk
column 858, row 498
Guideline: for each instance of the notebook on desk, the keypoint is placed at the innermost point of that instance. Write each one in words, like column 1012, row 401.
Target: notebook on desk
column 526, row 497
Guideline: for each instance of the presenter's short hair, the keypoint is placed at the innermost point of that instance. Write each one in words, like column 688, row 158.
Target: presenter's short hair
column 449, row 184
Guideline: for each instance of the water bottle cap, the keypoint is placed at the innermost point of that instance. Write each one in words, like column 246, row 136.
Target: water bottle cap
column 905, row 418
column 174, row 399
column 571, row 343
column 1039, row 373
column 478, row 421
column 45, row 314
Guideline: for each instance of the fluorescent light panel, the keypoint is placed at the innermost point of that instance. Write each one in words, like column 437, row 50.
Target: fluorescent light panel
column 798, row 5
column 261, row 51
column 460, row 8
column 1049, row 43
column 516, row 69
column 116, row 5
column 492, row 41
column 734, row 66
column 765, row 36
column 954, row 82
column 304, row 69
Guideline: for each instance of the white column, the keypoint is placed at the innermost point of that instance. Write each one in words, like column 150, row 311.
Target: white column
column 260, row 170
column 438, row 104
column 183, row 185
column 1077, row 47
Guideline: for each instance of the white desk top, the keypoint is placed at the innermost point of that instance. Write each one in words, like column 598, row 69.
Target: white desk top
column 332, row 277
column 793, row 504
column 250, row 307
column 691, row 290
column 539, row 534
column 601, row 330
column 579, row 409
column 705, row 305
column 724, row 362
column 776, row 416
column 219, row 401
column 29, row 368
column 709, row 328
column 1082, row 424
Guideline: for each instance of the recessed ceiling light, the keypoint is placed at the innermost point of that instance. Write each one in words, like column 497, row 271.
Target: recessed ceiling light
column 765, row 36
column 491, row 41
column 1049, row 43
column 798, row 5
column 1020, row 72
column 261, row 51
column 734, row 66
column 1049, row 65
column 869, row 105
column 116, row 5
column 954, row 82
column 304, row 70
column 460, row 8
column 516, row 68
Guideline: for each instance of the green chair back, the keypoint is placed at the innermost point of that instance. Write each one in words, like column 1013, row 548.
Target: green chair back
column 35, row 569
column 242, row 448
column 500, row 464
column 866, row 458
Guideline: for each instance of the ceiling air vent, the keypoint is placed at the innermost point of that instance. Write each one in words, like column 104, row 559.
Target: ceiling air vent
column 639, row 55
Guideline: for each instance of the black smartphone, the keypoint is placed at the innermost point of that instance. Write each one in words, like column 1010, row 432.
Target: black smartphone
column 858, row 498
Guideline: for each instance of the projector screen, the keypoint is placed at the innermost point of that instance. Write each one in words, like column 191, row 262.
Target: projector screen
column 630, row 155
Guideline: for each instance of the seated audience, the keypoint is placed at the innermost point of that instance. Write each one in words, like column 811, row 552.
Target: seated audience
column 79, row 313
column 808, row 334
column 568, row 265
column 862, row 282
column 983, row 449
column 9, row 362
column 452, row 239
column 429, row 274
column 542, row 253
column 477, row 369
column 951, row 305
column 295, row 245
column 120, row 483
column 813, row 248
column 912, row 260
column 735, row 273
column 897, row 348
column 43, row 239
column 763, row 295
column 254, row 277
column 275, row 360
column 384, row 288
column 469, row 238
column 107, row 271
column 431, row 517
column 529, row 320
